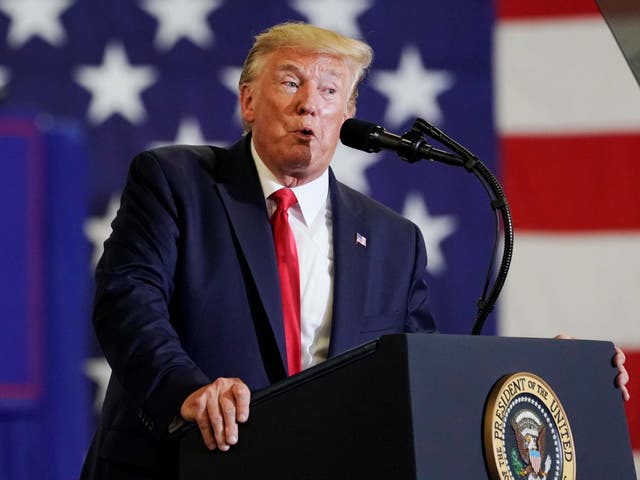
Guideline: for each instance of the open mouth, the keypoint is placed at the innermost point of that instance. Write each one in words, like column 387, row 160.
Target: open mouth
column 307, row 132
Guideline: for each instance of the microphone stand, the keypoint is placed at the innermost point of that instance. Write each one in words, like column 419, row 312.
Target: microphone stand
column 499, row 204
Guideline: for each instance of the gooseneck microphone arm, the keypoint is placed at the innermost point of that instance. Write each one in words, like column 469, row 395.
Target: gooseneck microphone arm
column 412, row 147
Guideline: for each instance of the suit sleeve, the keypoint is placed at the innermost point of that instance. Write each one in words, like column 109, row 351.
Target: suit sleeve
column 134, row 286
column 419, row 317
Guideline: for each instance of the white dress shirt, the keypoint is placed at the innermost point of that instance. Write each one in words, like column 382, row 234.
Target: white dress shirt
column 311, row 222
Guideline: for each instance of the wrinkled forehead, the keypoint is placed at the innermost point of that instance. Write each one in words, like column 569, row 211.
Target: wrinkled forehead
column 308, row 62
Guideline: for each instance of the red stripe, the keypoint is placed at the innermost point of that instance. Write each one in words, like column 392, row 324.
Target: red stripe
column 573, row 183
column 633, row 405
column 519, row 9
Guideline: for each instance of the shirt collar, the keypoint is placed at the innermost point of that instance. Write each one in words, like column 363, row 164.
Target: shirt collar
column 312, row 196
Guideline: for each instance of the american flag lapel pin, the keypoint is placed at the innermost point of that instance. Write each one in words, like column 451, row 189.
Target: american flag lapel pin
column 361, row 240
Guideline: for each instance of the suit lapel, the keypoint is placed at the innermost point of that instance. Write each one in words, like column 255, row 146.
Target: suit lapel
column 242, row 196
column 240, row 191
column 351, row 268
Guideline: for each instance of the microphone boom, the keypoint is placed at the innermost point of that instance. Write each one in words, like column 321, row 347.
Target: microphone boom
column 371, row 138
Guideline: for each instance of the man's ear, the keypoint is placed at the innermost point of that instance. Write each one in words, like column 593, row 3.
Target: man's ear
column 246, row 103
column 351, row 110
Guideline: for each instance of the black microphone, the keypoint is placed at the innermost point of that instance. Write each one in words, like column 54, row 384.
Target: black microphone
column 369, row 137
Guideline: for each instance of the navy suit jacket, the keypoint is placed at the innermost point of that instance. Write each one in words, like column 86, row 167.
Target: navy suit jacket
column 187, row 291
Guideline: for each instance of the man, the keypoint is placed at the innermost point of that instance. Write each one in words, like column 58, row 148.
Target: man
column 188, row 306
column 195, row 297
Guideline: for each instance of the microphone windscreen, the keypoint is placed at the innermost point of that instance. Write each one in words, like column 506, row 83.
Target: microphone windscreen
column 357, row 134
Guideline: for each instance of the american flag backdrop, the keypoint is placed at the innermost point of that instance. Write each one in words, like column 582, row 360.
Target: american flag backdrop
column 538, row 90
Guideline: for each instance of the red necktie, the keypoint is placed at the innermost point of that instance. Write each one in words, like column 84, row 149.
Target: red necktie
column 287, row 256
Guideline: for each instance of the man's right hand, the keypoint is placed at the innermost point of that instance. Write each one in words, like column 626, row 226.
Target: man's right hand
column 217, row 408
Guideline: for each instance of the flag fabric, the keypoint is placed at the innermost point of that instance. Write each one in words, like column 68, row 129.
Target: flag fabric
column 539, row 93
column 568, row 119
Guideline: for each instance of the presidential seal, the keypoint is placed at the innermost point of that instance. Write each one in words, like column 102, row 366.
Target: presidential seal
column 527, row 435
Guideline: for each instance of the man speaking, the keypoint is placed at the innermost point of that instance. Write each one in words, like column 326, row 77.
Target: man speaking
column 229, row 269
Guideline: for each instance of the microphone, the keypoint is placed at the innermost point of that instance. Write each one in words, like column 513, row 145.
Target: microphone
column 369, row 137
column 411, row 146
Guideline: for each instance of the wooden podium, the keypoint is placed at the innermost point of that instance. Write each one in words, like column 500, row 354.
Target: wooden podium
column 413, row 407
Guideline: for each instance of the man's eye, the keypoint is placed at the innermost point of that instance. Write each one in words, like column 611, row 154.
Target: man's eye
column 291, row 84
column 331, row 91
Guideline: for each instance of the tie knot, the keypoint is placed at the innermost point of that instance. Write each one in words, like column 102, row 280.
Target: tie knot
column 284, row 198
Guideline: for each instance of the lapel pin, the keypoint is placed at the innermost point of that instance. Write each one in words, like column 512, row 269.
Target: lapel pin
column 361, row 240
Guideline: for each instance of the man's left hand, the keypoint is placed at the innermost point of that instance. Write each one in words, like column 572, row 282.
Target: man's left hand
column 618, row 361
column 623, row 376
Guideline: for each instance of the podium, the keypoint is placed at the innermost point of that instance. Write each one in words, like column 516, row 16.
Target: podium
column 413, row 407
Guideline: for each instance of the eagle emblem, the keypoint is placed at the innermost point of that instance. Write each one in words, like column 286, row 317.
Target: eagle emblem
column 530, row 436
column 526, row 431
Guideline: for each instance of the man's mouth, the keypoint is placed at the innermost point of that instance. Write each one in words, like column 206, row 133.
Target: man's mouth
column 307, row 132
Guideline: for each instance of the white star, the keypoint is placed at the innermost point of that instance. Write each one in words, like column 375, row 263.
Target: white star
column 350, row 165
column 30, row 18
column 98, row 229
column 338, row 15
column 412, row 89
column 189, row 133
column 434, row 229
column 116, row 85
column 98, row 370
column 229, row 77
column 181, row 19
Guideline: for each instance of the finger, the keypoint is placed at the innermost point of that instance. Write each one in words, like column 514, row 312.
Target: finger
column 228, row 408
column 625, row 394
column 207, row 433
column 217, row 422
column 242, row 396
column 563, row 336
column 619, row 358
column 623, row 375
column 622, row 378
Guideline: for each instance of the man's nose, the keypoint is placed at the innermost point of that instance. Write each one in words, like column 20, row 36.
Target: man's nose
column 307, row 101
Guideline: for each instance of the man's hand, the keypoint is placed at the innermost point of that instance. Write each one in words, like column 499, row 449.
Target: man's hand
column 217, row 408
column 618, row 361
column 623, row 376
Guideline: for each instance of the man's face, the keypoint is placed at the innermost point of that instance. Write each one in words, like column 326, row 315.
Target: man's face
column 296, row 107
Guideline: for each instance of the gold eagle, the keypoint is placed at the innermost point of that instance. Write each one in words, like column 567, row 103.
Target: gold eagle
column 523, row 442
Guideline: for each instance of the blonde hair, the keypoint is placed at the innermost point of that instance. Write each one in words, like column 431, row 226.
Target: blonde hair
column 357, row 54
